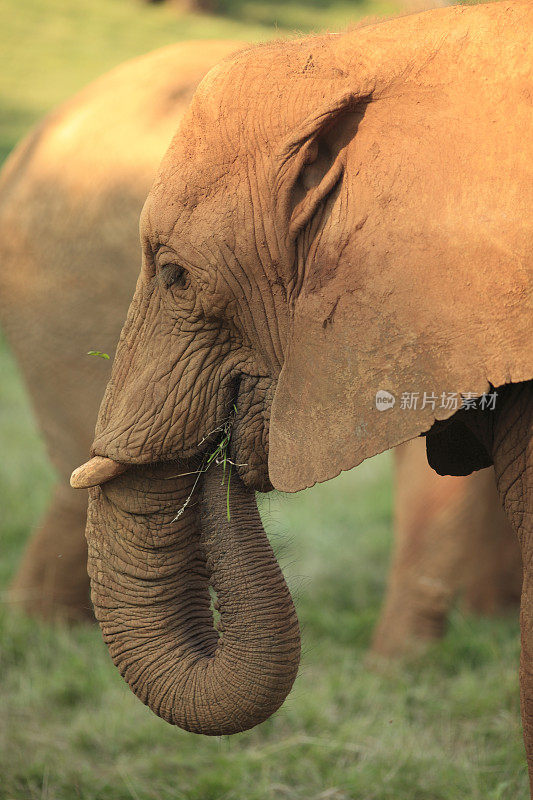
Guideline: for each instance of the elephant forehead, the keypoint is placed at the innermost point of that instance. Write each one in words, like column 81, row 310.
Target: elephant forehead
column 181, row 186
column 187, row 216
column 193, row 181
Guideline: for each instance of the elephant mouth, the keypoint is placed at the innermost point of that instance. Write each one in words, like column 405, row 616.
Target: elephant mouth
column 100, row 470
column 240, row 440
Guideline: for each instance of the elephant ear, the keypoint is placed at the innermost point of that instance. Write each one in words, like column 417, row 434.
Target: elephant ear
column 393, row 320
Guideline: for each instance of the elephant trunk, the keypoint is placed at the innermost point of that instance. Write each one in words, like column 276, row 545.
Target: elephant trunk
column 151, row 575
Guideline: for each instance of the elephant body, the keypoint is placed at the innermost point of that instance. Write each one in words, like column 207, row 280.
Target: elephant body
column 336, row 218
column 89, row 166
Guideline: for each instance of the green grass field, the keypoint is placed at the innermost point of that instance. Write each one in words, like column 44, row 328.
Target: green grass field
column 442, row 727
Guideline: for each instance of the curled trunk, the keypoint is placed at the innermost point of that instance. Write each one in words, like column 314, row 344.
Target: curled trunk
column 151, row 576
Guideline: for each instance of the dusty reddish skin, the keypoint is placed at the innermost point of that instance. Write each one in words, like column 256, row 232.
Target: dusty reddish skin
column 355, row 217
column 71, row 165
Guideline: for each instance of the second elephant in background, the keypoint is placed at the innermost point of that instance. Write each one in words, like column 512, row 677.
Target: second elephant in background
column 451, row 538
column 70, row 199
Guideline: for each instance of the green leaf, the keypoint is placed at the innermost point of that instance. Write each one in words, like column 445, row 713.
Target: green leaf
column 98, row 353
column 227, row 493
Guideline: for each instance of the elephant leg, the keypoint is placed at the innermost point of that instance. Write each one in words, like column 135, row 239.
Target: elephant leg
column 52, row 580
column 512, row 449
column 451, row 537
column 431, row 532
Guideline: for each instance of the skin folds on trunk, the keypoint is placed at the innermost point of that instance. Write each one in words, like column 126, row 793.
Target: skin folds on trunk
column 150, row 577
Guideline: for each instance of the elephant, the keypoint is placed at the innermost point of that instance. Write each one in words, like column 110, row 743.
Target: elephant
column 338, row 219
column 99, row 153
column 451, row 539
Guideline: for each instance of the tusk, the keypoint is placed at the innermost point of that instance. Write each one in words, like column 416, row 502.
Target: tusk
column 96, row 471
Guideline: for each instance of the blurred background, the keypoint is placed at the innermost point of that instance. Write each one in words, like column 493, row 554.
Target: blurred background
column 442, row 726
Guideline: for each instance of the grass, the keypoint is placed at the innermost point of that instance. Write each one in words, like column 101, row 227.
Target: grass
column 443, row 727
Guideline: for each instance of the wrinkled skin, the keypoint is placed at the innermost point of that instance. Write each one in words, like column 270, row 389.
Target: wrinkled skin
column 512, row 445
column 171, row 617
column 91, row 169
column 508, row 436
column 365, row 230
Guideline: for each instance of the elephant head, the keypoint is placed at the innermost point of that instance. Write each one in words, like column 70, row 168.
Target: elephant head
column 308, row 242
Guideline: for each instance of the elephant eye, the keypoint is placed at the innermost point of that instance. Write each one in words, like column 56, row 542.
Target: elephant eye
column 174, row 275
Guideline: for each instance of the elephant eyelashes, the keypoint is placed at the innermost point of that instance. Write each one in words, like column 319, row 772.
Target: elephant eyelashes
column 172, row 275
